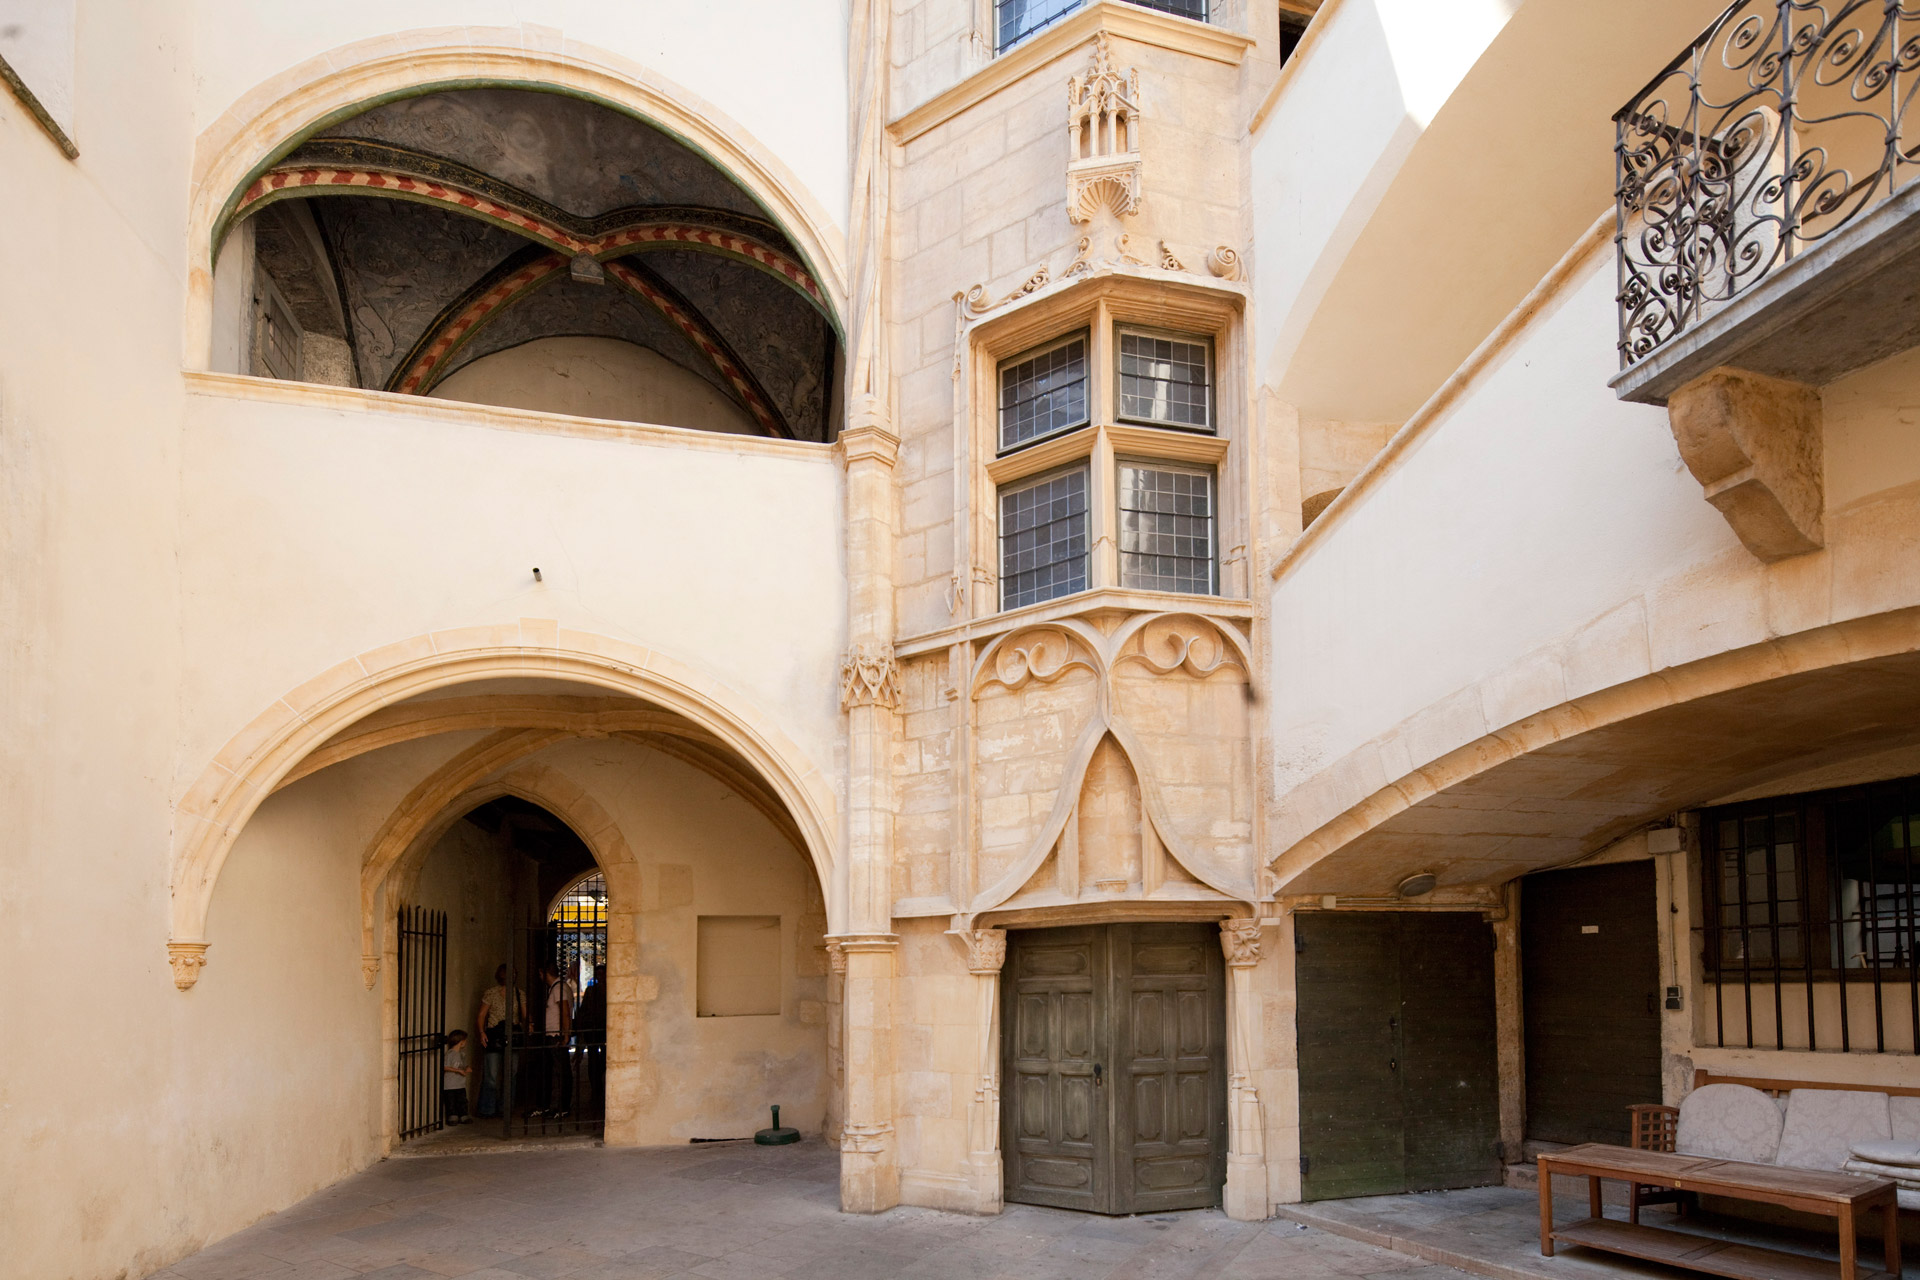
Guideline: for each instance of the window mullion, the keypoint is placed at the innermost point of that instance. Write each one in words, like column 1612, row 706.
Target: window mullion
column 1102, row 513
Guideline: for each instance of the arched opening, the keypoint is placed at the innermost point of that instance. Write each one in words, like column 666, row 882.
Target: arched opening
column 517, row 246
column 517, row 966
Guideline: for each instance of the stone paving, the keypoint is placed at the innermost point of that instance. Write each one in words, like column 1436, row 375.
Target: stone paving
column 734, row 1212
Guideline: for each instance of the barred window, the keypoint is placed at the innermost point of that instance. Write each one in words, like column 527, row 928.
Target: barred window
column 1167, row 380
column 1043, row 539
column 1043, row 393
column 1761, row 880
column 1015, row 20
column 1166, row 529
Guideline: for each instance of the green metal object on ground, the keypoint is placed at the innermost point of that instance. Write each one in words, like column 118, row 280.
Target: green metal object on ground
column 776, row 1136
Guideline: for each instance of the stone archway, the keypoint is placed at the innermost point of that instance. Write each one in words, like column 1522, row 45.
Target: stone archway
column 271, row 118
column 211, row 813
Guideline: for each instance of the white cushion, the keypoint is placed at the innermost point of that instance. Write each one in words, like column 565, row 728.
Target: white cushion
column 1905, row 1115
column 1891, row 1152
column 1823, row 1124
column 1901, row 1174
column 1729, row 1122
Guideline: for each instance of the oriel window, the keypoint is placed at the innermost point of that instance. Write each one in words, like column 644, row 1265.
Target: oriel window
column 1167, row 524
column 1043, row 393
column 1166, row 380
column 1043, row 538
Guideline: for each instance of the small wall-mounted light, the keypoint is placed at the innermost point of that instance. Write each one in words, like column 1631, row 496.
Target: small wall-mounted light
column 1416, row 885
column 536, row 573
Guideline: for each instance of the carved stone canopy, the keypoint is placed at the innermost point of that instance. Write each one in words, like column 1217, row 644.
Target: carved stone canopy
column 1103, row 139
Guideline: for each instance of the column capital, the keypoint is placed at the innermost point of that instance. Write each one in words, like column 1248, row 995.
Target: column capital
column 869, row 677
column 868, row 438
column 837, row 958
column 1240, row 941
column 986, row 949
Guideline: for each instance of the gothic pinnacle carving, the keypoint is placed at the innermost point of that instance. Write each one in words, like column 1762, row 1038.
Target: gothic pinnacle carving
column 1103, row 139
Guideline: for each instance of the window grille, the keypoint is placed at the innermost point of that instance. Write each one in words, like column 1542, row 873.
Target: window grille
column 1043, row 539
column 1165, row 380
column 1043, row 393
column 1166, row 529
column 1015, row 20
column 1811, row 911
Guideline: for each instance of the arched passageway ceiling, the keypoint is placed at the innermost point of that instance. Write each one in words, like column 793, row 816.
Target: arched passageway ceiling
column 1569, row 781
column 1502, row 181
column 453, row 224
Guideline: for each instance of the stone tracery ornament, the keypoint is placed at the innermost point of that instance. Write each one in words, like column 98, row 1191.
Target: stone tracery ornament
column 1240, row 941
column 1103, row 139
column 869, row 677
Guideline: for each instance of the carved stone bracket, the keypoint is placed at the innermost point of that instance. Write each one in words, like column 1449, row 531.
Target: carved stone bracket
column 986, row 950
column 1240, row 940
column 1754, row 444
column 869, row 677
column 837, row 958
column 369, row 970
column 187, row 959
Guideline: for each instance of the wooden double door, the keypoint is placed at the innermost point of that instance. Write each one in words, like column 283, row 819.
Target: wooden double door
column 1113, row 1046
column 1399, row 1070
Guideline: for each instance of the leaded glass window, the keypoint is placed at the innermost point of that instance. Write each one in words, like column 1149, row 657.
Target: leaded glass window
column 1166, row 529
column 1043, row 538
column 1043, row 393
column 1166, row 380
column 1015, row 20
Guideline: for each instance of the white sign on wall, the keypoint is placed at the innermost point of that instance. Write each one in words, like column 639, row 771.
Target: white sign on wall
column 36, row 39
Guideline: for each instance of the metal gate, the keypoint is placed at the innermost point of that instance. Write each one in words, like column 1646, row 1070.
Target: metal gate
column 423, row 1018
column 557, row 1079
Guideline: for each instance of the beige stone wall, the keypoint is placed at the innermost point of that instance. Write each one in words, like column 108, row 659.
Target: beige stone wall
column 937, row 1058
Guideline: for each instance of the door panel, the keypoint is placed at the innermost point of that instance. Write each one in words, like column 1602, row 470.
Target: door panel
column 1449, row 1058
column 1058, row 1152
column 1171, row 1124
column 1590, row 999
column 1115, row 1062
column 1347, row 975
column 1399, row 1083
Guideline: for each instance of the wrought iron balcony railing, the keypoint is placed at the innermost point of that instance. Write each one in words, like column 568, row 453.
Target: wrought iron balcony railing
column 1783, row 123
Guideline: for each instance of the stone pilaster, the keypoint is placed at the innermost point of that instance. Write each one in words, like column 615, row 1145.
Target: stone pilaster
column 869, row 1157
column 1246, row 1194
column 986, row 953
column 836, row 1043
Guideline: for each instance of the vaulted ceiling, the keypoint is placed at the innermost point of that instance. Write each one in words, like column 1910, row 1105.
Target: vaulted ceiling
column 433, row 231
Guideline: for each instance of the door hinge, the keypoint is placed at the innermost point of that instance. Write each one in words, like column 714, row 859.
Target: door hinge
column 1303, row 1166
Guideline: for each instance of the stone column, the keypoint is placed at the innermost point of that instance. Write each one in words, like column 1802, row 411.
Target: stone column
column 986, row 953
column 1246, row 1196
column 836, row 1044
column 869, row 1163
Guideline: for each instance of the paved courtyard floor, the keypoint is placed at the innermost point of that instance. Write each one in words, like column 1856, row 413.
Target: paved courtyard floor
column 734, row 1212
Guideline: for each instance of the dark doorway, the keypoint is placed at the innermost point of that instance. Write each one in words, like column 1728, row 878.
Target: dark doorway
column 1590, row 973
column 1114, row 1060
column 1399, row 1074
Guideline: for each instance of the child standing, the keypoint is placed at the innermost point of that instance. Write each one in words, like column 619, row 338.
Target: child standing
column 453, row 1078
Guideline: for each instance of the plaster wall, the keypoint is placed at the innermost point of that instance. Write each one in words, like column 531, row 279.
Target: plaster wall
column 596, row 378
column 299, row 554
column 1550, row 543
column 779, row 74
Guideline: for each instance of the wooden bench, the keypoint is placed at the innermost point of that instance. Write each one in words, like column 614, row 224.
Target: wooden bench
column 1843, row 1197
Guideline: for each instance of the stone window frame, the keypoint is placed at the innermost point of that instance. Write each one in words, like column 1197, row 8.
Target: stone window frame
column 1102, row 306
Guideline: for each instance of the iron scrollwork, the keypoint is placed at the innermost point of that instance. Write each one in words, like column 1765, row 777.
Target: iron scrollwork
column 1782, row 123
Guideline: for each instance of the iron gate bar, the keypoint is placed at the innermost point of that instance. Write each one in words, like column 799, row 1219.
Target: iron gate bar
column 422, row 991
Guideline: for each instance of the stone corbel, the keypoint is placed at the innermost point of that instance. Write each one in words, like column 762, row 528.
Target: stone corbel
column 1246, row 1192
column 1754, row 444
column 187, row 959
column 869, row 677
column 369, row 970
